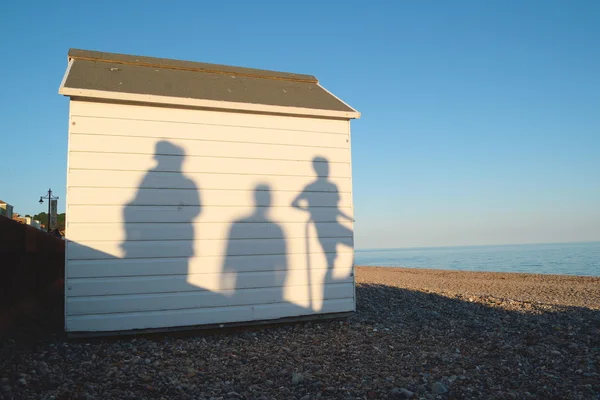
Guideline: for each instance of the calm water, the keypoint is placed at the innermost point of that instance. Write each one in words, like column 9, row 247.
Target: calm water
column 564, row 258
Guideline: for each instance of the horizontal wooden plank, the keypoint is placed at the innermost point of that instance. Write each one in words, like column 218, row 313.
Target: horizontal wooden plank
column 209, row 197
column 161, row 163
column 187, row 214
column 148, row 146
column 148, row 113
column 176, row 130
column 203, row 316
column 199, row 181
column 186, row 248
column 116, row 267
column 203, row 299
column 78, row 287
column 84, row 232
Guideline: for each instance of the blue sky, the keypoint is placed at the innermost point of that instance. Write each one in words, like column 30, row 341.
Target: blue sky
column 480, row 120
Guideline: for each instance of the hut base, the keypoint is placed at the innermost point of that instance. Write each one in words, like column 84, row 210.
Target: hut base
column 208, row 329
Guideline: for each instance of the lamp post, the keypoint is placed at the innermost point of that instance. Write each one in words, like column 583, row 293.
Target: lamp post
column 49, row 197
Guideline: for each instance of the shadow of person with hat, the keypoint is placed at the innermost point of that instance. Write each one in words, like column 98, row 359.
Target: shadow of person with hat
column 181, row 198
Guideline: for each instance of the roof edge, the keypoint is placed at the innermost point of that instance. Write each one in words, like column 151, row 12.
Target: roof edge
column 167, row 63
column 338, row 99
column 211, row 104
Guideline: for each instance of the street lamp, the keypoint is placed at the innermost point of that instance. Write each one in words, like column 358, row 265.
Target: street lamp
column 49, row 197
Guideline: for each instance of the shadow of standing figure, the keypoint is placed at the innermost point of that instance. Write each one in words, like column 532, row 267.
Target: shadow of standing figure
column 332, row 233
column 272, row 251
column 182, row 194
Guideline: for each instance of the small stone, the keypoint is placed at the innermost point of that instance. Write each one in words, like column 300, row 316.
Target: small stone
column 400, row 393
column 586, row 388
column 297, row 378
column 42, row 369
column 135, row 359
column 233, row 395
column 555, row 353
column 6, row 388
column 22, row 382
column 439, row 388
column 307, row 397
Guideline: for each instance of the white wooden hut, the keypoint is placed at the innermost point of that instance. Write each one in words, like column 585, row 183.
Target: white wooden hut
column 203, row 195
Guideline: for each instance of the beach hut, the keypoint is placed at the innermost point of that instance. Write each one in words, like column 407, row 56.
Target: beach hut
column 202, row 195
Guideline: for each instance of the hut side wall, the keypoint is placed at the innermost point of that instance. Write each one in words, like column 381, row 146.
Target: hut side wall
column 181, row 217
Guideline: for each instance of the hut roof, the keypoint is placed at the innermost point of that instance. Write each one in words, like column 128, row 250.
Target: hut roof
column 159, row 80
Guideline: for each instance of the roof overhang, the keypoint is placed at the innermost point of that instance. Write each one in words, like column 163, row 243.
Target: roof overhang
column 199, row 103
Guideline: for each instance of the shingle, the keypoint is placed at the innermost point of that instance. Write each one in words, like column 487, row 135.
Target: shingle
column 183, row 65
column 155, row 76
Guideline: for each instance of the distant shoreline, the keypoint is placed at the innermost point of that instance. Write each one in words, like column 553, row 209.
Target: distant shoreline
column 478, row 272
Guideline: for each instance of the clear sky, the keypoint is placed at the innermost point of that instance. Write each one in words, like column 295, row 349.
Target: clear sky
column 480, row 119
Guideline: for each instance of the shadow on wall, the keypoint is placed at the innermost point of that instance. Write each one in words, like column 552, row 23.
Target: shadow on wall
column 308, row 200
column 274, row 260
column 169, row 157
column 161, row 266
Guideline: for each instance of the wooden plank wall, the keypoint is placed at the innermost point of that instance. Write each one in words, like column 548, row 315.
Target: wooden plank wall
column 184, row 217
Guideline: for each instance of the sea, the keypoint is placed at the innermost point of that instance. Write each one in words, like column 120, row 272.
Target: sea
column 581, row 259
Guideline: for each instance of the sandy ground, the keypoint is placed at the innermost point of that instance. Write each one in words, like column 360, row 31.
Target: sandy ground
column 550, row 289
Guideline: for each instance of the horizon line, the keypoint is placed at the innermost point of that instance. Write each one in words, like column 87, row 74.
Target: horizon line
column 472, row 245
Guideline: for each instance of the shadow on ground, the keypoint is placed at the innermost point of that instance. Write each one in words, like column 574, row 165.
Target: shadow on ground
column 400, row 343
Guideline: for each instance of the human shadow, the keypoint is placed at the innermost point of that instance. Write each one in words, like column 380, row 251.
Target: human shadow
column 257, row 242
column 331, row 233
column 186, row 198
column 157, row 280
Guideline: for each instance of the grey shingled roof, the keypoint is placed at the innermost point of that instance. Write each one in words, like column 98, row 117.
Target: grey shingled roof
column 112, row 72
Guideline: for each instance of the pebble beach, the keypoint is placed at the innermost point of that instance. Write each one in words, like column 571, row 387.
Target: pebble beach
column 416, row 334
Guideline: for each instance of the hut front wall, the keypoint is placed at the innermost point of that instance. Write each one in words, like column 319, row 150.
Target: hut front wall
column 181, row 217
